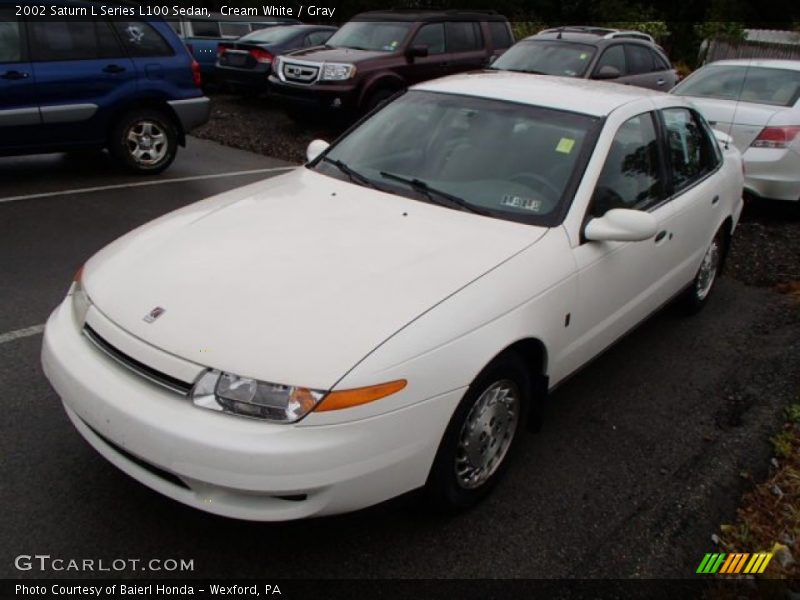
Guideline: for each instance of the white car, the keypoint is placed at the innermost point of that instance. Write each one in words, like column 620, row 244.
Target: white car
column 757, row 102
column 392, row 315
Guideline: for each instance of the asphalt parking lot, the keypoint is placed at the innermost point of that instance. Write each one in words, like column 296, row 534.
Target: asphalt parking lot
column 641, row 457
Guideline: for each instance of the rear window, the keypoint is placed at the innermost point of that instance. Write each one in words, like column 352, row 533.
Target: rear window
column 273, row 35
column 547, row 57
column 501, row 36
column 140, row 39
column 759, row 85
column 206, row 29
column 234, row 29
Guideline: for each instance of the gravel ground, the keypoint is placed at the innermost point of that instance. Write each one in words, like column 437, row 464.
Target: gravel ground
column 766, row 248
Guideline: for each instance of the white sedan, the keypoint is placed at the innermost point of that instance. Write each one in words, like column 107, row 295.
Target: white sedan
column 758, row 103
column 392, row 315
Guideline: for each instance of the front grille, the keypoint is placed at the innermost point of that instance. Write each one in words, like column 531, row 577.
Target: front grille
column 149, row 373
column 152, row 469
column 297, row 73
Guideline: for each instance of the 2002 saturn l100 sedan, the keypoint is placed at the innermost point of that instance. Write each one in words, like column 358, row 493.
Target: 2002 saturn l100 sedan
column 392, row 315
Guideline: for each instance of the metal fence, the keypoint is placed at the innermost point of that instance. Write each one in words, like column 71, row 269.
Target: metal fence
column 720, row 50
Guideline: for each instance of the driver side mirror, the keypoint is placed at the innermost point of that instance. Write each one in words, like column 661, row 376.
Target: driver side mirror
column 417, row 52
column 607, row 72
column 621, row 225
column 315, row 148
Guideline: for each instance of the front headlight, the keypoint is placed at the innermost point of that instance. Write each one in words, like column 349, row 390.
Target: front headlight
column 337, row 71
column 250, row 397
column 80, row 299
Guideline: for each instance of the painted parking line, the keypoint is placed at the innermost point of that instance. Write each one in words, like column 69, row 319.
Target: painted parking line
column 136, row 184
column 21, row 333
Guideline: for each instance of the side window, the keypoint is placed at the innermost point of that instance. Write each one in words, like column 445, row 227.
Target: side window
column 638, row 59
column 501, row 36
column 140, row 39
column 432, row 36
column 318, row 37
column 613, row 57
column 73, row 40
column 463, row 36
column 660, row 63
column 631, row 177
column 692, row 152
column 10, row 39
column 208, row 29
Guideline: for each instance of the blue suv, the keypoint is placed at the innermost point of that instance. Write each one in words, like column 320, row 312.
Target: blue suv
column 127, row 84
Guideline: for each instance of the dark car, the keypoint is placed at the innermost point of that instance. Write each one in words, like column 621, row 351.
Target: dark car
column 127, row 84
column 246, row 63
column 629, row 57
column 376, row 54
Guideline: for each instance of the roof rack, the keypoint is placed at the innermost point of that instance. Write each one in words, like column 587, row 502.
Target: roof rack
column 604, row 32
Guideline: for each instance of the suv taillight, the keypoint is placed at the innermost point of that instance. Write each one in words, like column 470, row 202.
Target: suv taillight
column 196, row 74
column 776, row 137
column 261, row 55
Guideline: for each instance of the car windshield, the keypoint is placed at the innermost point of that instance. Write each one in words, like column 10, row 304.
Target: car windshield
column 759, row 85
column 370, row 35
column 547, row 57
column 507, row 160
column 273, row 35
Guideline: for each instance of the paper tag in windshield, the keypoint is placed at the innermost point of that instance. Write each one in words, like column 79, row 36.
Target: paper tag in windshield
column 565, row 145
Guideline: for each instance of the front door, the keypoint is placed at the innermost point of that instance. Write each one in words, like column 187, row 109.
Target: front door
column 19, row 114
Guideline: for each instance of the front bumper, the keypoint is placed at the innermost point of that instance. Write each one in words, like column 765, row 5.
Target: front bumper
column 315, row 96
column 772, row 173
column 234, row 466
column 192, row 112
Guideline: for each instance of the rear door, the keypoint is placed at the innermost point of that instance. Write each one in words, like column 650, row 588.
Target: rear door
column 19, row 113
column 81, row 73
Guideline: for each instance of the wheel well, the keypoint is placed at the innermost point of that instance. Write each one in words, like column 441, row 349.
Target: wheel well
column 534, row 355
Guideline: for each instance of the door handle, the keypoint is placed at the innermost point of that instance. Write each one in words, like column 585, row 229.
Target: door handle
column 660, row 82
column 715, row 200
column 15, row 75
column 113, row 69
column 661, row 235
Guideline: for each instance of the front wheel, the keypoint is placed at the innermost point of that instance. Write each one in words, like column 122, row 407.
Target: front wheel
column 145, row 141
column 696, row 295
column 481, row 436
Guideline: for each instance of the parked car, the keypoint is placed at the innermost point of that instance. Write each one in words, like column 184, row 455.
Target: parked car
column 377, row 54
column 623, row 56
column 128, row 85
column 758, row 103
column 247, row 62
column 202, row 36
column 392, row 315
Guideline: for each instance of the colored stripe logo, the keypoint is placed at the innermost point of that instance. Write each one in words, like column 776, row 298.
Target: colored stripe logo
column 731, row 564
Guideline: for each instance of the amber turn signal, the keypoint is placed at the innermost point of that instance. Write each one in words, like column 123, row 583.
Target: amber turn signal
column 355, row 397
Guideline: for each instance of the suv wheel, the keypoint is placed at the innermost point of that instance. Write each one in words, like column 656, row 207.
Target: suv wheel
column 481, row 436
column 145, row 141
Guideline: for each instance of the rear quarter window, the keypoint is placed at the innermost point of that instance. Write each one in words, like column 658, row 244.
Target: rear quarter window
column 463, row 36
column 140, row 39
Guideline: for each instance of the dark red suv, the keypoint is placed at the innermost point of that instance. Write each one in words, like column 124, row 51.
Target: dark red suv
column 376, row 54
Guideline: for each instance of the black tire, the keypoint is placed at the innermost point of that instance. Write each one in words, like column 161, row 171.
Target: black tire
column 696, row 296
column 135, row 155
column 448, row 491
column 376, row 98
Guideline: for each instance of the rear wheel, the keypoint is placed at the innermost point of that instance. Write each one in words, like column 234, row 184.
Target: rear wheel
column 481, row 436
column 145, row 141
column 696, row 295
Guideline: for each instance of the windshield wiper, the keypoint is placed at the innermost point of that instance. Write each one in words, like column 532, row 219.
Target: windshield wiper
column 528, row 71
column 354, row 176
column 422, row 187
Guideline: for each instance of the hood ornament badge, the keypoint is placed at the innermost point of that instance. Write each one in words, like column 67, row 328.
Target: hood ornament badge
column 154, row 314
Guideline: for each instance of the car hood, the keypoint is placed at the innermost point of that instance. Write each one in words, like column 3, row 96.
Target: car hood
column 348, row 55
column 294, row 279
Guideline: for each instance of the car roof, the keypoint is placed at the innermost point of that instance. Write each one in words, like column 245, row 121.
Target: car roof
column 596, row 98
column 769, row 63
column 587, row 38
column 416, row 15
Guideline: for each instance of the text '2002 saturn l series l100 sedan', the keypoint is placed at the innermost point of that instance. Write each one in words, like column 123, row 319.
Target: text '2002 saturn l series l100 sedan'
column 392, row 315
